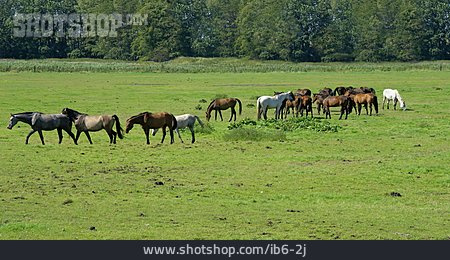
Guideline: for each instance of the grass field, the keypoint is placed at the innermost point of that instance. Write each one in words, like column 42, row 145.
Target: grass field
column 313, row 185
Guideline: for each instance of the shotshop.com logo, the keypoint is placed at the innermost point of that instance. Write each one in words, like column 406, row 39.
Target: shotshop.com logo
column 73, row 25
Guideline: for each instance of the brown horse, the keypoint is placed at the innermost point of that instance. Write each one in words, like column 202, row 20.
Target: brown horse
column 305, row 104
column 304, row 92
column 366, row 99
column 318, row 98
column 291, row 105
column 220, row 104
column 326, row 92
column 342, row 101
column 153, row 121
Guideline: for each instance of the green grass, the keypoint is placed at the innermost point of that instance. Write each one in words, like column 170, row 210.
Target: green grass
column 312, row 185
column 210, row 65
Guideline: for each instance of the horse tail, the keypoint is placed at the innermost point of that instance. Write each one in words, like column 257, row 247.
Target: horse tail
column 118, row 127
column 174, row 123
column 258, row 108
column 375, row 103
column 240, row 106
column 199, row 121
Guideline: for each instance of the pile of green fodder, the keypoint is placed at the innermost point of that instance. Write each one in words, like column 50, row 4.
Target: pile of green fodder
column 274, row 130
column 292, row 124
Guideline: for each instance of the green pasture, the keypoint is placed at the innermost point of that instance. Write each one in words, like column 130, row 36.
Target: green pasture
column 309, row 185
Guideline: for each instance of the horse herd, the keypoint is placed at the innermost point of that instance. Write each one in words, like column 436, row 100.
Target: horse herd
column 348, row 98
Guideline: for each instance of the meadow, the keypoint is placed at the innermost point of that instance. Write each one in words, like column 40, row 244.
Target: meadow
column 379, row 177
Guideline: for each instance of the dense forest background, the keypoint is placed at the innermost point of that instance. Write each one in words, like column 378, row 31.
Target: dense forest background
column 291, row 30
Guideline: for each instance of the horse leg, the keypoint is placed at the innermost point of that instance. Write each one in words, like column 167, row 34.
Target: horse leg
column 87, row 135
column 265, row 113
column 114, row 136
column 388, row 103
column 179, row 136
column 78, row 135
column 172, row 140
column 215, row 115
column 41, row 136
column 367, row 111
column 111, row 137
column 370, row 106
column 164, row 134
column 147, row 132
column 192, row 133
column 28, row 136
column 220, row 114
column 384, row 100
column 69, row 132
column 60, row 135
column 232, row 113
column 342, row 113
column 359, row 109
column 395, row 104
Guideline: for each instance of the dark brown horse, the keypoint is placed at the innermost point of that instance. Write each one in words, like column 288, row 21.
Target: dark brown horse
column 305, row 104
column 342, row 101
column 153, row 121
column 366, row 99
column 220, row 104
column 339, row 91
column 368, row 90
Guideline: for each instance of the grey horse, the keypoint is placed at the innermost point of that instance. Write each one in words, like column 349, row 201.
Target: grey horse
column 43, row 122
column 184, row 121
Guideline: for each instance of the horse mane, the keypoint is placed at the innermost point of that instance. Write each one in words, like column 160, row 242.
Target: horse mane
column 74, row 111
column 27, row 113
column 138, row 115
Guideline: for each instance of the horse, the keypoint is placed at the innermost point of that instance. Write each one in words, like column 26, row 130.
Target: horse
column 184, row 121
column 318, row 98
column 326, row 92
column 85, row 123
column 265, row 102
column 368, row 90
column 291, row 105
column 342, row 101
column 305, row 103
column 366, row 99
column 392, row 94
column 220, row 104
column 42, row 122
column 304, row 92
column 153, row 121
column 339, row 91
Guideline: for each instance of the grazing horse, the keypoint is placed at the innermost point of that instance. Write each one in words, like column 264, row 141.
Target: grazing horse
column 184, row 121
column 339, row 91
column 41, row 122
column 366, row 99
column 85, row 123
column 304, row 92
column 220, row 104
column 318, row 98
column 265, row 102
column 305, row 104
column 392, row 94
column 342, row 101
column 153, row 121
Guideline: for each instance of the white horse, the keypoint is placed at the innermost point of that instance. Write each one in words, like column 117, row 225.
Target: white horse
column 392, row 94
column 183, row 121
column 266, row 102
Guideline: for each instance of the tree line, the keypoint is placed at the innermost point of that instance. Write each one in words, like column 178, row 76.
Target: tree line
column 291, row 30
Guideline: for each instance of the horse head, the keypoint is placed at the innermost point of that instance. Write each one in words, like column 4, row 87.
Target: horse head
column 12, row 122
